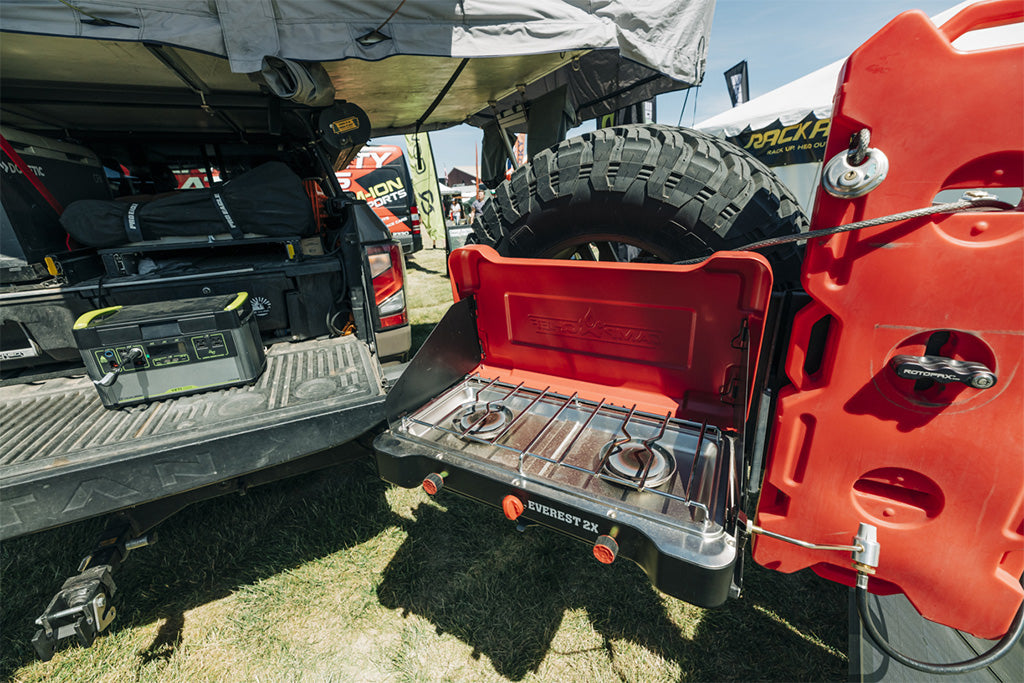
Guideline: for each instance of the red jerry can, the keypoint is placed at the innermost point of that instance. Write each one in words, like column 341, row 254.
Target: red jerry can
column 863, row 435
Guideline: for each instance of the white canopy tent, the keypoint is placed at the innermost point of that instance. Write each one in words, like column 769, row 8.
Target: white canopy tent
column 809, row 98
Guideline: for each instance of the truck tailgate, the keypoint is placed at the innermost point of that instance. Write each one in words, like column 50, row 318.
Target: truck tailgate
column 64, row 457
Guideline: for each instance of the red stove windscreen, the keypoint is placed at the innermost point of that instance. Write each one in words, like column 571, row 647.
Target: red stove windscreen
column 683, row 339
column 936, row 464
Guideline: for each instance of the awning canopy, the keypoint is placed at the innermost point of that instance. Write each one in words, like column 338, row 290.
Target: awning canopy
column 429, row 65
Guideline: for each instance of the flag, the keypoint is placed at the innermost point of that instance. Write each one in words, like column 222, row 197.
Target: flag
column 736, row 80
column 424, row 184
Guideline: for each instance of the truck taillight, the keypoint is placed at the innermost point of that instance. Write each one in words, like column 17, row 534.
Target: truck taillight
column 388, row 276
column 414, row 218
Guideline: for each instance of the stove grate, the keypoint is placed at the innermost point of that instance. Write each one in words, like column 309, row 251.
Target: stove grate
column 687, row 485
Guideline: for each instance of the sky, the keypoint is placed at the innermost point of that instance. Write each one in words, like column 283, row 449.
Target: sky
column 781, row 40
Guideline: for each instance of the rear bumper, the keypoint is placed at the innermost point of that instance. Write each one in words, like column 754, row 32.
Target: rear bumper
column 410, row 243
column 396, row 343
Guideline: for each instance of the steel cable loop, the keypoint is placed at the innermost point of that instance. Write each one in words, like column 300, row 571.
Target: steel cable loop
column 952, row 207
column 858, row 150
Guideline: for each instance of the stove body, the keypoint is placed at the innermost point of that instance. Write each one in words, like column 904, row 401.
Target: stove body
column 605, row 401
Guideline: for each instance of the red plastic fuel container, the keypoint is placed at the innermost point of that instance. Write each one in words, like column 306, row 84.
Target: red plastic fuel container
column 936, row 466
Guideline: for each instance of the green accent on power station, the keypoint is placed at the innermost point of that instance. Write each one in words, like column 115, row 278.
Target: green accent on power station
column 86, row 318
column 239, row 300
column 174, row 391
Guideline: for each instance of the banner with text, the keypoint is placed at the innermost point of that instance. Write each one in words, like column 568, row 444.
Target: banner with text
column 780, row 145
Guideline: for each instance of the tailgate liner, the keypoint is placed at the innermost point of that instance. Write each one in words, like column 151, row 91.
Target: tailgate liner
column 64, row 457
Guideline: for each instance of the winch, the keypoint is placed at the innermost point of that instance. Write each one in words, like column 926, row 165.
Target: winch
column 145, row 352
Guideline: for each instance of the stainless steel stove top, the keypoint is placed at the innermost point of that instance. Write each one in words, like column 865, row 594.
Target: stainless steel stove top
column 652, row 465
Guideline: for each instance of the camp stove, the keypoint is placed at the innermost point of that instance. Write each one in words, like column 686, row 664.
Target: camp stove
column 657, row 464
column 616, row 422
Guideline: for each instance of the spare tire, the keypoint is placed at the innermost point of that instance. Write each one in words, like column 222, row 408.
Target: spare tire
column 669, row 193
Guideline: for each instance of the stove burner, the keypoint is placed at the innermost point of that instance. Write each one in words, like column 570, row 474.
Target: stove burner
column 629, row 460
column 482, row 420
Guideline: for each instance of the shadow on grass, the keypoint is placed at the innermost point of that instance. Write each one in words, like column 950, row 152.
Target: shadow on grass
column 465, row 570
column 167, row 639
column 414, row 265
column 204, row 553
column 505, row 594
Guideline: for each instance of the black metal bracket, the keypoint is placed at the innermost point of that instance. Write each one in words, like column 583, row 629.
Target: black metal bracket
column 82, row 609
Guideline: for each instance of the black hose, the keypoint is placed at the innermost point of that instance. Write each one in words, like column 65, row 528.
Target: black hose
column 968, row 665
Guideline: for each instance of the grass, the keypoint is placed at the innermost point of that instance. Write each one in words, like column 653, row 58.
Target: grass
column 336, row 576
column 431, row 293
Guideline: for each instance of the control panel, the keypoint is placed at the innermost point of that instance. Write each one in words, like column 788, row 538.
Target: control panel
column 159, row 353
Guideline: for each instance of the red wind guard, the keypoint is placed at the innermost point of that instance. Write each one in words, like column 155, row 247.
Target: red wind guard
column 663, row 337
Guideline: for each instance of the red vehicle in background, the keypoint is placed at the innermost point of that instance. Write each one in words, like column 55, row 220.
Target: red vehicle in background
column 380, row 176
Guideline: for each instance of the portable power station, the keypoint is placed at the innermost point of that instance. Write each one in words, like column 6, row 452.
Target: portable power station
column 146, row 352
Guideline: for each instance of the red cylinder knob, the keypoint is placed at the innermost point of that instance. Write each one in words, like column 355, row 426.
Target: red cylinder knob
column 606, row 549
column 433, row 483
column 512, row 507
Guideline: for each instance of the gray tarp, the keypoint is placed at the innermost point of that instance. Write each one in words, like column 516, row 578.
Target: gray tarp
column 652, row 47
column 661, row 34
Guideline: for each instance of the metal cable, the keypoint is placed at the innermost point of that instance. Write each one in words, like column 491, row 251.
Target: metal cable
column 952, row 207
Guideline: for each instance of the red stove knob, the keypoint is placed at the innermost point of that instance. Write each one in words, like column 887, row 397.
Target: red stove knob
column 606, row 549
column 433, row 483
column 512, row 507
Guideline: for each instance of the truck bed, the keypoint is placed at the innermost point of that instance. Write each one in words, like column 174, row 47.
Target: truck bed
column 64, row 457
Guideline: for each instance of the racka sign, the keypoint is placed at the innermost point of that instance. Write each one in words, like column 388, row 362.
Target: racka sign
column 780, row 145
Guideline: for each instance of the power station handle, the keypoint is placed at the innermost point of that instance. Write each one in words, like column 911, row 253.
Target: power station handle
column 944, row 370
column 133, row 354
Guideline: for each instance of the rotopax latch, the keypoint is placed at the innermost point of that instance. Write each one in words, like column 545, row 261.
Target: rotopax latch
column 944, row 370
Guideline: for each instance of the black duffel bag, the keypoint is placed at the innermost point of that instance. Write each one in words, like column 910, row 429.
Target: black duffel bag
column 268, row 200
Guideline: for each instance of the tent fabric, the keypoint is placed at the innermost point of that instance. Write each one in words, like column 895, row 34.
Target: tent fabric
column 268, row 200
column 810, row 94
column 607, row 54
column 305, row 83
column 665, row 35
column 813, row 93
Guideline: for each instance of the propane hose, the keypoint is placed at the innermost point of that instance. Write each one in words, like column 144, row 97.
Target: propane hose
column 966, row 666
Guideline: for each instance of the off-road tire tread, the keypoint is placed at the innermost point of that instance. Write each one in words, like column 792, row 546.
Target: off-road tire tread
column 684, row 192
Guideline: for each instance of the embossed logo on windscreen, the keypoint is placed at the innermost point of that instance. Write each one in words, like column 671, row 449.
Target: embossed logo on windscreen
column 588, row 327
